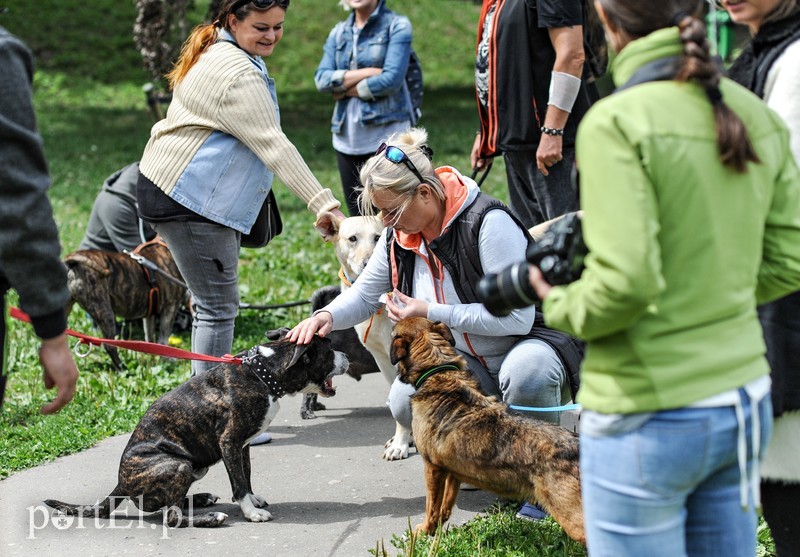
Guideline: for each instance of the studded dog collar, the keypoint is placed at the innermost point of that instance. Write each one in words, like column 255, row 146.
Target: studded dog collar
column 255, row 363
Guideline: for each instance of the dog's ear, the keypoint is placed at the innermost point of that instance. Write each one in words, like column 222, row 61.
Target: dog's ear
column 443, row 330
column 299, row 350
column 328, row 226
column 399, row 349
column 277, row 334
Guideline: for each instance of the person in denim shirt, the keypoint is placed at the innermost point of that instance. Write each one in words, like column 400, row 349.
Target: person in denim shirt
column 209, row 164
column 363, row 66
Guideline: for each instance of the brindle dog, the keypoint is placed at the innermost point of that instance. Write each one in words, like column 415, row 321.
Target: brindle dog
column 465, row 436
column 108, row 284
column 213, row 417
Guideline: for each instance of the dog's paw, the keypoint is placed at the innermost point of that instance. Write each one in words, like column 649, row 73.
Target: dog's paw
column 395, row 450
column 251, row 513
column 204, row 499
column 258, row 515
column 258, row 501
column 212, row 520
column 307, row 414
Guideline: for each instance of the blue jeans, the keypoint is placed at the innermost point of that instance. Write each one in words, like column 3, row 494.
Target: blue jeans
column 531, row 374
column 671, row 486
column 207, row 256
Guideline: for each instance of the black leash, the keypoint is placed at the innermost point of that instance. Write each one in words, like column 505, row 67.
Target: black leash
column 483, row 176
column 245, row 305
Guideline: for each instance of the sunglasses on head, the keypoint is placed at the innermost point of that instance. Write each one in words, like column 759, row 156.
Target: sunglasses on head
column 397, row 156
column 260, row 4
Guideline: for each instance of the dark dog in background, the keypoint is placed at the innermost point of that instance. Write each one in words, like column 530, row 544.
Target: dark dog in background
column 213, row 417
column 465, row 436
column 346, row 341
column 110, row 284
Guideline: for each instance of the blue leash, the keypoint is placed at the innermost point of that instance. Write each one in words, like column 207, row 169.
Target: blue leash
column 550, row 409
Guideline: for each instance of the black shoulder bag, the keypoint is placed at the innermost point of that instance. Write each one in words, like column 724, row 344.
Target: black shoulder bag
column 268, row 224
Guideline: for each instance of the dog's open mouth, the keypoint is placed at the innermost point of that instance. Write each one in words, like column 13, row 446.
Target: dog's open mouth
column 327, row 387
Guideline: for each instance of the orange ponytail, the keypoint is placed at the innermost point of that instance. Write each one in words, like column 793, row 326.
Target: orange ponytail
column 201, row 37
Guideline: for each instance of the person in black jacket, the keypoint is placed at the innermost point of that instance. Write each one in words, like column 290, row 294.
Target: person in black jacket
column 531, row 91
column 770, row 67
column 29, row 247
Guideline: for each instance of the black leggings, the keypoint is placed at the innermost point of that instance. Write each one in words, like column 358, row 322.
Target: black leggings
column 349, row 167
column 779, row 501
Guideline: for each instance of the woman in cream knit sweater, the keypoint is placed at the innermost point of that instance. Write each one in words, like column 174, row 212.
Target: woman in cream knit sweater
column 209, row 164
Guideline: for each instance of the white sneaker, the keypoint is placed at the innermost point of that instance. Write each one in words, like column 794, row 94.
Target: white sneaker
column 261, row 439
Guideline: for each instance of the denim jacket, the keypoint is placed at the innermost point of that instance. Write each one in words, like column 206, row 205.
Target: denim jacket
column 384, row 42
column 205, row 186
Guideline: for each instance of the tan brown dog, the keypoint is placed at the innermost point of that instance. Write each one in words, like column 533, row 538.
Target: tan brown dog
column 354, row 239
column 465, row 436
column 108, row 284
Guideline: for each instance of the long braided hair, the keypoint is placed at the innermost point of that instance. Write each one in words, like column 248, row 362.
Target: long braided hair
column 638, row 18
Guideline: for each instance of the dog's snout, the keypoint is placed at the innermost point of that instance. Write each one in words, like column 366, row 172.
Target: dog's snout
column 340, row 362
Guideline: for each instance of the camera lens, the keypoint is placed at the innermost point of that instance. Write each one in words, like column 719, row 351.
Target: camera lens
column 507, row 290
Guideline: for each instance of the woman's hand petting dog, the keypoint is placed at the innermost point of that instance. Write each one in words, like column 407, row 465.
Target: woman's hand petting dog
column 319, row 324
column 401, row 306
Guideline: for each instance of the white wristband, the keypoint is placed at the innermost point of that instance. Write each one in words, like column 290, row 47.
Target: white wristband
column 563, row 90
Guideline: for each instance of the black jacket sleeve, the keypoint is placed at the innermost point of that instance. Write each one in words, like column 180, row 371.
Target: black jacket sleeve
column 29, row 246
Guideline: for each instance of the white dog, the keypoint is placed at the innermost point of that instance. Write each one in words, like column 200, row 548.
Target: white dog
column 354, row 240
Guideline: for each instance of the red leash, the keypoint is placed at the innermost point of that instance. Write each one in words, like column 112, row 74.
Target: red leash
column 135, row 345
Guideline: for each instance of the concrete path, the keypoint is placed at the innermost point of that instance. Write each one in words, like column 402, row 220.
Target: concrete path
column 329, row 491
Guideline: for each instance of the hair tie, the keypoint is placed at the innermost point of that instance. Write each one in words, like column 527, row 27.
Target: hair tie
column 714, row 94
column 678, row 17
column 427, row 151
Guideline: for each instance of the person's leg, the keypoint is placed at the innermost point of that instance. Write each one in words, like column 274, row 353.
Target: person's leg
column 667, row 487
column 532, row 375
column 521, row 196
column 624, row 514
column 779, row 500
column 556, row 193
column 718, row 523
column 207, row 256
column 349, row 167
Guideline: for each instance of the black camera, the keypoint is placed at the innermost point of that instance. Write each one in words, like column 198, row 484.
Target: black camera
column 558, row 254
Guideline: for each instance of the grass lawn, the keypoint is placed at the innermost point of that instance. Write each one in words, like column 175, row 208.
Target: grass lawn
column 93, row 118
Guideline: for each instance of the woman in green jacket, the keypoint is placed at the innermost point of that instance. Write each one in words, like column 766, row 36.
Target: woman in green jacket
column 691, row 202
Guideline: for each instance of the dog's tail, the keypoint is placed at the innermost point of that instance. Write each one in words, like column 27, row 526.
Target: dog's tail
column 99, row 510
